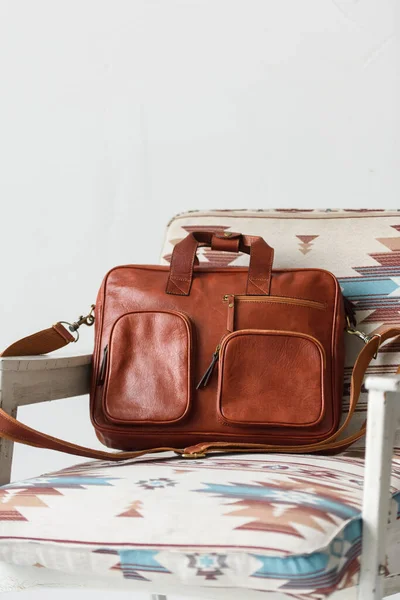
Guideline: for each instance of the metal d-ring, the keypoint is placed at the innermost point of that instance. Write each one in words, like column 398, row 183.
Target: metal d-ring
column 70, row 327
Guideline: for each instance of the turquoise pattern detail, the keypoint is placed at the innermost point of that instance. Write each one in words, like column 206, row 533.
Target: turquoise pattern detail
column 243, row 492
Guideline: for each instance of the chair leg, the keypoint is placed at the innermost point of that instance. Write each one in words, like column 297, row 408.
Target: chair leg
column 383, row 415
column 6, row 454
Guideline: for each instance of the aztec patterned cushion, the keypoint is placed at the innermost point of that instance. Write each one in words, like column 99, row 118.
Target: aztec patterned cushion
column 256, row 522
column 361, row 247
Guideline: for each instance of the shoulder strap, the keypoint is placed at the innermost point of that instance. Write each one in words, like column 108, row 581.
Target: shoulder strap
column 41, row 342
column 57, row 336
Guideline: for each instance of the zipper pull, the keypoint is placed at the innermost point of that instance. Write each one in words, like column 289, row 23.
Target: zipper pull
column 102, row 373
column 230, row 299
column 209, row 371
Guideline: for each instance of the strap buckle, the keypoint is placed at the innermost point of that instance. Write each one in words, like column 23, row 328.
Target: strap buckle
column 193, row 455
column 82, row 320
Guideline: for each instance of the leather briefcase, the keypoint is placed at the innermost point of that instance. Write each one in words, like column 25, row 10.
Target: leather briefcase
column 196, row 359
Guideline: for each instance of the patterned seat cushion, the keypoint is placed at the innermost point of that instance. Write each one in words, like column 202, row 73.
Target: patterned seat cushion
column 361, row 247
column 258, row 522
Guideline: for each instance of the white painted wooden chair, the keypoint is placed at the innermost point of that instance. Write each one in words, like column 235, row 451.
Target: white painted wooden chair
column 31, row 380
column 38, row 379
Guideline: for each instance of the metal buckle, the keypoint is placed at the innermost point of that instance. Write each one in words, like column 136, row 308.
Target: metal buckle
column 82, row 320
column 193, row 455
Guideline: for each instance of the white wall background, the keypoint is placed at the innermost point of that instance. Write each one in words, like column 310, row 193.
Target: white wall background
column 116, row 115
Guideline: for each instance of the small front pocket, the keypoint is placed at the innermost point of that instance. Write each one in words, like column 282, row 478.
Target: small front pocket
column 273, row 378
column 147, row 378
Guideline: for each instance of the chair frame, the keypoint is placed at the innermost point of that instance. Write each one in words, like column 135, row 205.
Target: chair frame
column 29, row 380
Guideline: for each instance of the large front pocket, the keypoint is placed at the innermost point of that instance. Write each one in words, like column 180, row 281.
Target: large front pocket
column 147, row 374
column 271, row 378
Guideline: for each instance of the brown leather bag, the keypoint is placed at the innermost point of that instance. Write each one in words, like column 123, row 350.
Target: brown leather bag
column 196, row 359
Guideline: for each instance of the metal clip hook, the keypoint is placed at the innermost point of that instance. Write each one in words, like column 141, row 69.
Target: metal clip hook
column 82, row 320
column 363, row 336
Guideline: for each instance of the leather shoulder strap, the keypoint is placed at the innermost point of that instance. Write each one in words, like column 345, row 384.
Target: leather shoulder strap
column 42, row 342
column 57, row 336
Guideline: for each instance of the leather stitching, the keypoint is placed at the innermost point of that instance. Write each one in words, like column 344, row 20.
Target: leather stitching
column 180, row 293
column 256, row 285
column 322, row 306
column 186, row 277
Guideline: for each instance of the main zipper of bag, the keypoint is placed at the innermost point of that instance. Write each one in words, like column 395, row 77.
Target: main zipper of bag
column 231, row 299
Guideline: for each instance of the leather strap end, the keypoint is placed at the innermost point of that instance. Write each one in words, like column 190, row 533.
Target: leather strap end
column 42, row 342
column 65, row 334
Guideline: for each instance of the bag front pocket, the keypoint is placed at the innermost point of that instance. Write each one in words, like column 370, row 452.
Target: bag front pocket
column 147, row 372
column 273, row 378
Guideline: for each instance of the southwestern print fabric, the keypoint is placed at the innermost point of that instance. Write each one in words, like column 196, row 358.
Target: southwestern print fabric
column 270, row 523
column 361, row 247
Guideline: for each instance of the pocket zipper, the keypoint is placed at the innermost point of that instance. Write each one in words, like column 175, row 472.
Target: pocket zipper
column 209, row 371
column 232, row 299
column 102, row 372
column 276, row 300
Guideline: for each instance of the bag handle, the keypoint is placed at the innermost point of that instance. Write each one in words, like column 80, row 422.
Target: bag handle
column 14, row 430
column 184, row 254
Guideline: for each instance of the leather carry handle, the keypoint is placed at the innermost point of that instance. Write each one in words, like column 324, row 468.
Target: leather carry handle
column 184, row 255
column 14, row 430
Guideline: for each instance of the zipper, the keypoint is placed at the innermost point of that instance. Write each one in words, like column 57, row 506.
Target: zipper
column 275, row 300
column 209, row 371
column 102, row 372
column 215, row 357
column 279, row 332
column 232, row 299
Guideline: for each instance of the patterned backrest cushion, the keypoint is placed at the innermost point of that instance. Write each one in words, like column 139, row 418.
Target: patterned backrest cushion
column 361, row 247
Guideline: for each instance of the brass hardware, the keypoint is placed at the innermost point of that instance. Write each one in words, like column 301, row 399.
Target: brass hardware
column 226, row 298
column 194, row 455
column 82, row 320
column 69, row 326
column 227, row 233
column 360, row 334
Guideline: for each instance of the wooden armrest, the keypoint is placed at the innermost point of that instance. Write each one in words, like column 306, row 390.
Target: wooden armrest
column 32, row 379
column 384, row 383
